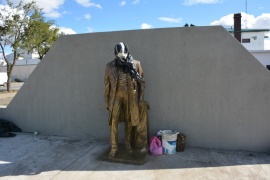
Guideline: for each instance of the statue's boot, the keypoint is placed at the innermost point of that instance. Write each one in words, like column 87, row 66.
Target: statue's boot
column 144, row 149
column 113, row 152
column 128, row 148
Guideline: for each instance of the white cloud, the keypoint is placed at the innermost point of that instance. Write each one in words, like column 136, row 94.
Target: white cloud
column 194, row 2
column 53, row 14
column 90, row 30
column 50, row 8
column 146, row 26
column 66, row 30
column 88, row 3
column 226, row 21
column 65, row 12
column 262, row 21
column 87, row 16
column 7, row 11
column 170, row 20
column 123, row 3
column 135, row 1
column 247, row 21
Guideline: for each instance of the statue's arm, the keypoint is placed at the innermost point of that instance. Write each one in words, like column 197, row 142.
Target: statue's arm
column 141, row 85
column 107, row 87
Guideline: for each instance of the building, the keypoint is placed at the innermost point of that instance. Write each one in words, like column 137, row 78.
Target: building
column 24, row 65
column 252, row 40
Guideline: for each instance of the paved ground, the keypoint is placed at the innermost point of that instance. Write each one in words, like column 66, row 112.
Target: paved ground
column 48, row 157
column 6, row 97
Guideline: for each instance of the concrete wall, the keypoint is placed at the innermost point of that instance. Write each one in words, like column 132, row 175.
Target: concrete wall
column 200, row 81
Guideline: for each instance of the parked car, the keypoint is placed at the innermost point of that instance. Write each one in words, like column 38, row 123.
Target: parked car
column 3, row 78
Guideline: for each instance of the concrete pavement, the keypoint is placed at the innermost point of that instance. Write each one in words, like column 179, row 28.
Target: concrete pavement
column 49, row 157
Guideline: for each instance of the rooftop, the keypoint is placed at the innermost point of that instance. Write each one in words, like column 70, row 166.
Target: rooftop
column 248, row 30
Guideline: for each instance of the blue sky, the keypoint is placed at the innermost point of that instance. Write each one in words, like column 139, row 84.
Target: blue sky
column 84, row 16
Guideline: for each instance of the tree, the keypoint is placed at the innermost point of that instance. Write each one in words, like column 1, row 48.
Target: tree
column 186, row 25
column 40, row 35
column 14, row 21
column 21, row 28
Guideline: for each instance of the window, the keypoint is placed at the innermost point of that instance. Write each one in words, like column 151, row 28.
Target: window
column 245, row 40
column 268, row 67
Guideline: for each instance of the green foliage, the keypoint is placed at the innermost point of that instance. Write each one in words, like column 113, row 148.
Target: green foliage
column 14, row 20
column 23, row 27
column 186, row 25
column 40, row 35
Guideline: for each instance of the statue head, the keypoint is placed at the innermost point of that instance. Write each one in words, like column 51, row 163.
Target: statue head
column 121, row 50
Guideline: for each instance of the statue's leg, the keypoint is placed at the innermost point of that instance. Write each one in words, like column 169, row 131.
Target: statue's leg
column 126, row 115
column 114, row 128
column 128, row 135
column 141, row 130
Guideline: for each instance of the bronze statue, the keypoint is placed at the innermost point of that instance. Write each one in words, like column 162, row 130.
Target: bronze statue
column 124, row 91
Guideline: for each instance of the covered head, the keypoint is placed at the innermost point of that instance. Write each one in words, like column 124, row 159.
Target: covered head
column 121, row 50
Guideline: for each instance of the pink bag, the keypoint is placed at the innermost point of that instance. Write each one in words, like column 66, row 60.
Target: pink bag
column 155, row 146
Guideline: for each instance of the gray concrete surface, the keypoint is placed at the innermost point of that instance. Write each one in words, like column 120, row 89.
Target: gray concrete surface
column 50, row 157
column 200, row 81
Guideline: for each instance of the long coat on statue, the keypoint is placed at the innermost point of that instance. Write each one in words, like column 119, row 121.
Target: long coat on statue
column 135, row 91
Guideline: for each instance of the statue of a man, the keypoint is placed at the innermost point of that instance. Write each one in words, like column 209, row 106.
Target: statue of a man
column 124, row 89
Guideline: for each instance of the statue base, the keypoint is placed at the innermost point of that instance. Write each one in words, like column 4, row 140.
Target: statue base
column 135, row 157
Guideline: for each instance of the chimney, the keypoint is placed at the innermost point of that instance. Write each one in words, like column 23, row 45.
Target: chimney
column 237, row 26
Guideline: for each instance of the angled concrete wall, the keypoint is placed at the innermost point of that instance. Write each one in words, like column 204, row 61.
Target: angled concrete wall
column 200, row 81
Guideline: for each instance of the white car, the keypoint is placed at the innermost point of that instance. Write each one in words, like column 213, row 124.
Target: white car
column 3, row 78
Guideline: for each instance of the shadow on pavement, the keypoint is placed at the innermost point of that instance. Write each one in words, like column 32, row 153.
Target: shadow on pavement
column 26, row 154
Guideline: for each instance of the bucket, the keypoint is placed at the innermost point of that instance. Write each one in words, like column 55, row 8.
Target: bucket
column 169, row 138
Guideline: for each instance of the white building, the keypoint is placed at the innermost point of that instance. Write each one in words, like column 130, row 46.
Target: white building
column 24, row 65
column 253, row 40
